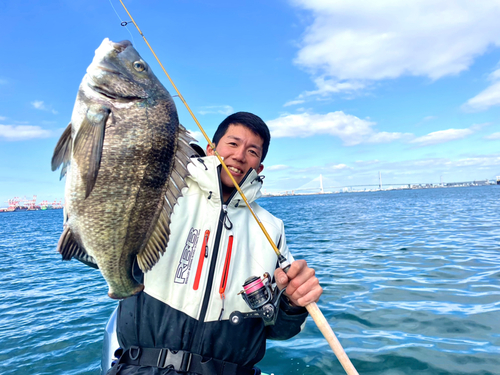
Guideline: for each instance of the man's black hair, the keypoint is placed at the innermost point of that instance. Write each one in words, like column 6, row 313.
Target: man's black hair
column 250, row 121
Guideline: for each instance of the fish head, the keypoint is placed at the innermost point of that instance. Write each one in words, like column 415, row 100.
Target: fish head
column 118, row 72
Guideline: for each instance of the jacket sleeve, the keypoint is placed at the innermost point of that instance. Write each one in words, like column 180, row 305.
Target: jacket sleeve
column 290, row 319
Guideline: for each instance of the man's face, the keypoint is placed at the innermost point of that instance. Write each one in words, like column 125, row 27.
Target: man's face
column 241, row 149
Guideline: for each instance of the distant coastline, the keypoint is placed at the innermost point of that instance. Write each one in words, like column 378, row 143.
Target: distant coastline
column 23, row 204
column 17, row 204
column 362, row 189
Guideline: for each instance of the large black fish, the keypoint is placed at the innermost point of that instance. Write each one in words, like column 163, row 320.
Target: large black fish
column 124, row 155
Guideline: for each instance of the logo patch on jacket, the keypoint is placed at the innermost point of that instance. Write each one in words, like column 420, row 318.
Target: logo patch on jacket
column 184, row 267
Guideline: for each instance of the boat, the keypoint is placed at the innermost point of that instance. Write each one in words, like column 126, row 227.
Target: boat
column 110, row 344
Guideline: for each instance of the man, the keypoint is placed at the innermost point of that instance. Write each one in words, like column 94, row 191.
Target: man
column 180, row 323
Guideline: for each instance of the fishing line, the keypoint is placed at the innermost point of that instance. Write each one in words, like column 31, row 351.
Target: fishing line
column 285, row 264
column 312, row 307
column 122, row 22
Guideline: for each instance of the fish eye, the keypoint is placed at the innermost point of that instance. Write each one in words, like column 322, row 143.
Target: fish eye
column 139, row 66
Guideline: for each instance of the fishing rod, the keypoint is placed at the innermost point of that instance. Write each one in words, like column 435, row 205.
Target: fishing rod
column 312, row 307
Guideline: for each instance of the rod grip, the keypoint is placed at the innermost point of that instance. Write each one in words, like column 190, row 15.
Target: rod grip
column 334, row 343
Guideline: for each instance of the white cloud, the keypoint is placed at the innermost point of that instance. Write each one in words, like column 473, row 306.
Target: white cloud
column 478, row 127
column 352, row 42
column 2, row 118
column 350, row 129
column 293, row 102
column 386, row 137
column 367, row 162
column 493, row 136
column 39, row 104
column 339, row 166
column 278, row 167
column 217, row 109
column 331, row 86
column 487, row 98
column 442, row 136
column 22, row 132
column 197, row 135
column 475, row 162
column 325, row 87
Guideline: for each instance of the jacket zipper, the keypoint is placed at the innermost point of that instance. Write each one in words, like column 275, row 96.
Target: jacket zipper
column 213, row 261
column 198, row 335
column 203, row 255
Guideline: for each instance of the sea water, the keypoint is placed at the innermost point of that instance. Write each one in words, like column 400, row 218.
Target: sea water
column 411, row 283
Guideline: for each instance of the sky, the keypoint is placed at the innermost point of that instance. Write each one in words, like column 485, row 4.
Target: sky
column 349, row 89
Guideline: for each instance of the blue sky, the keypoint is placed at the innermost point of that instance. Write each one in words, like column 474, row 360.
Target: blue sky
column 348, row 88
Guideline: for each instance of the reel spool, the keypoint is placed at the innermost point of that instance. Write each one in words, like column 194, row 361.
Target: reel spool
column 257, row 292
column 260, row 297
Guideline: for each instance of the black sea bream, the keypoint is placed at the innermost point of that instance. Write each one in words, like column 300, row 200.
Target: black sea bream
column 124, row 155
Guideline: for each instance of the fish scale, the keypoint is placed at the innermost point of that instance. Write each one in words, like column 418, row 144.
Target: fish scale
column 124, row 155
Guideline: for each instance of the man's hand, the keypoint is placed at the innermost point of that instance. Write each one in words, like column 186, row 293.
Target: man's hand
column 302, row 287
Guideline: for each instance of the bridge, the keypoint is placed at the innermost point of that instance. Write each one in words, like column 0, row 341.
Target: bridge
column 325, row 185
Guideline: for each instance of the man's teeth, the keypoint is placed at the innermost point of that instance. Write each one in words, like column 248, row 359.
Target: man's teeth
column 235, row 170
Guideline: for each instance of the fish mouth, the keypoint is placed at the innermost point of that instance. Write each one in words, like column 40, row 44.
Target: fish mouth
column 107, row 67
column 108, row 93
column 103, row 92
column 120, row 46
column 108, row 46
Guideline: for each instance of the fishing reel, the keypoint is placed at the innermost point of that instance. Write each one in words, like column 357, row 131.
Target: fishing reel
column 260, row 296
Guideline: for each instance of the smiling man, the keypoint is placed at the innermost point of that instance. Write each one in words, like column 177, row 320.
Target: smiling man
column 241, row 149
column 180, row 323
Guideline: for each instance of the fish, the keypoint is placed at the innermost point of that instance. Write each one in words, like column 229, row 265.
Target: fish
column 124, row 155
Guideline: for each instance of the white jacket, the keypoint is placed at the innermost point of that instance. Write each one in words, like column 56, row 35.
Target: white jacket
column 183, row 296
column 199, row 212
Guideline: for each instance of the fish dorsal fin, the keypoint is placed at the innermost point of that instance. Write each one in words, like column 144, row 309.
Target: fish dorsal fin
column 69, row 248
column 62, row 152
column 87, row 149
column 158, row 240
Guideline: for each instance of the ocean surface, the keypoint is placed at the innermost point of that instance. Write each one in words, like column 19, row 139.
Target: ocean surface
column 411, row 285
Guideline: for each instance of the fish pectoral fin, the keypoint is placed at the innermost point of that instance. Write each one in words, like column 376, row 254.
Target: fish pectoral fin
column 87, row 149
column 62, row 151
column 157, row 243
column 69, row 248
column 158, row 240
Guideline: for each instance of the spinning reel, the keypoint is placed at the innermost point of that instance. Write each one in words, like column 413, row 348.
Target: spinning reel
column 260, row 296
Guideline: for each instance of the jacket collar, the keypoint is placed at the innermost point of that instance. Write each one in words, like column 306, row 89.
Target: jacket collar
column 205, row 172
